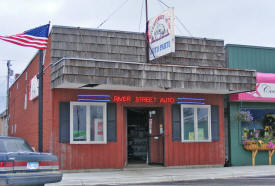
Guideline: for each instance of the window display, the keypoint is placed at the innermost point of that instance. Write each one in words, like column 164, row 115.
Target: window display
column 258, row 132
column 88, row 123
column 188, row 121
column 196, row 122
column 79, row 123
column 261, row 126
column 96, row 124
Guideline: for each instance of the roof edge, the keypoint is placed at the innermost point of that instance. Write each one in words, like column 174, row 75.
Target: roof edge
column 249, row 46
column 129, row 32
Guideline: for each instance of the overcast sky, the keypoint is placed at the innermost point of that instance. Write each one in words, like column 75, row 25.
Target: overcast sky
column 247, row 22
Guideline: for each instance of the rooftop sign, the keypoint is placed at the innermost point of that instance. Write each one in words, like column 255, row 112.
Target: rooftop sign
column 161, row 34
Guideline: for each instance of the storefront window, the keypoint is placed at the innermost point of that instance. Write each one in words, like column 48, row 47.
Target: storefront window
column 88, row 123
column 262, row 125
column 188, row 120
column 79, row 123
column 195, row 123
column 96, row 124
column 203, row 123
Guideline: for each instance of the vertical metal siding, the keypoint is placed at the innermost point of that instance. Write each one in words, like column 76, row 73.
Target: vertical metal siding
column 261, row 59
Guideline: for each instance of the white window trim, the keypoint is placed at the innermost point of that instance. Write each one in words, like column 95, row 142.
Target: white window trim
column 88, row 104
column 195, row 107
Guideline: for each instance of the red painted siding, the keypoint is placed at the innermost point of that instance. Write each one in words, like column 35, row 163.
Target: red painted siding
column 202, row 153
column 99, row 156
column 25, row 120
column 108, row 155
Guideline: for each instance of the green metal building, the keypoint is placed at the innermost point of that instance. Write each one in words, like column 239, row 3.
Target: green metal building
column 261, row 59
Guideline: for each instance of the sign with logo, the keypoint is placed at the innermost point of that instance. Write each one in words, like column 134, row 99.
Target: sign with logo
column 33, row 88
column 161, row 33
column 265, row 89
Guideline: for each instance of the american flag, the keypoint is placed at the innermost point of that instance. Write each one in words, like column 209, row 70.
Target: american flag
column 36, row 37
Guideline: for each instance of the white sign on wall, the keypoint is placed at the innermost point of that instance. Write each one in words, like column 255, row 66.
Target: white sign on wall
column 161, row 34
column 98, row 129
column 33, row 88
column 266, row 90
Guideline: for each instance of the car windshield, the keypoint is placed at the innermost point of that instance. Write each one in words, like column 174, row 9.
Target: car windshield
column 14, row 145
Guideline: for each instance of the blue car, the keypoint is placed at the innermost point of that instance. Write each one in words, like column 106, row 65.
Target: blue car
column 20, row 165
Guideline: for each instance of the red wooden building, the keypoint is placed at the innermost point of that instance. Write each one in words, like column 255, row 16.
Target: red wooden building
column 105, row 107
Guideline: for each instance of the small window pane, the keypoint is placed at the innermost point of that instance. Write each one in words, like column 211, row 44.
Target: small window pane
column 202, row 123
column 79, row 123
column 97, row 128
column 188, row 119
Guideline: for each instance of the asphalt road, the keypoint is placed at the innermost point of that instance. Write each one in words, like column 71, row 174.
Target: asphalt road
column 255, row 181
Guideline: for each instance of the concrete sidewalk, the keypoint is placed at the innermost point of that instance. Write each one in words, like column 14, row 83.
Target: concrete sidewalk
column 161, row 174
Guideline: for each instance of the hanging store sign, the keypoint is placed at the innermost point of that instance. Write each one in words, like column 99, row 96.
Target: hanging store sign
column 161, row 34
column 33, row 88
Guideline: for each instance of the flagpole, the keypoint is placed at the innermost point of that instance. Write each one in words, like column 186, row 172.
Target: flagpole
column 146, row 33
column 40, row 102
column 8, row 92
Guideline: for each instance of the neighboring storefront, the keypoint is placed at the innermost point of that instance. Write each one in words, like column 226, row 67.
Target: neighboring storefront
column 252, row 114
column 3, row 124
column 105, row 107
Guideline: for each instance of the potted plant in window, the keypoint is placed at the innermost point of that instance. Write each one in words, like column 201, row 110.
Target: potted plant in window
column 245, row 133
column 269, row 124
column 264, row 141
column 244, row 116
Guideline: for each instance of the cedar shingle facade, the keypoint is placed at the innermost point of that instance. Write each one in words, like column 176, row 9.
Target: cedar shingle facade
column 110, row 65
